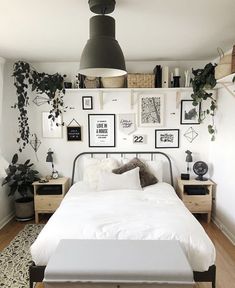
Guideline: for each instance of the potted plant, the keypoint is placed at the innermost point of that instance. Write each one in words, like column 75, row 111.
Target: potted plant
column 20, row 178
column 203, row 80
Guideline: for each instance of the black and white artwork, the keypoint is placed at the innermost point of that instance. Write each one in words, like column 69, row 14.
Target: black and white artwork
column 167, row 138
column 87, row 103
column 126, row 123
column 151, row 110
column 189, row 113
column 101, row 130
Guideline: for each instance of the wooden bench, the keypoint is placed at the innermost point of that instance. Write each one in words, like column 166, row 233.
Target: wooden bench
column 118, row 263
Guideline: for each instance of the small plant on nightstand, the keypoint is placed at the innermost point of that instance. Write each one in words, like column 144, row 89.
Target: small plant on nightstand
column 20, row 178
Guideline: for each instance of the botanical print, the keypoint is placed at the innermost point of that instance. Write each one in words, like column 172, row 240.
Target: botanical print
column 151, row 110
column 50, row 128
column 189, row 113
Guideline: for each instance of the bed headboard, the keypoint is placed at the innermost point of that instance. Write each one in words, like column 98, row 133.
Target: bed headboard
column 122, row 154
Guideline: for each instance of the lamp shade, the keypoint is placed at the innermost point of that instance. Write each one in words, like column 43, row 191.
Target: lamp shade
column 102, row 55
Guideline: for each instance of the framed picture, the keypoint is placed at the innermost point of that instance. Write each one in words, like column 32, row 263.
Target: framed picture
column 74, row 133
column 151, row 109
column 49, row 127
column 101, row 130
column 189, row 113
column 167, row 138
column 87, row 103
column 126, row 123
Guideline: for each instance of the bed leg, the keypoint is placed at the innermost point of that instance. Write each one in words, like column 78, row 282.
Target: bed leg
column 213, row 284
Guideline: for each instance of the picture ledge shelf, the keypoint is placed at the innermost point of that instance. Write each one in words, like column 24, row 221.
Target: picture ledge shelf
column 177, row 90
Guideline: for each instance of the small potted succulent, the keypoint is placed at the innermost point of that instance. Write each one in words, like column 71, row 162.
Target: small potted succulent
column 20, row 178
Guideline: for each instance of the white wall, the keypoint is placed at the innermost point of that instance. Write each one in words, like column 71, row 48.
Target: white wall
column 113, row 103
column 222, row 156
column 5, row 201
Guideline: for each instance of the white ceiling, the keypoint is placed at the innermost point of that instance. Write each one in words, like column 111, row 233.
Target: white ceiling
column 57, row 30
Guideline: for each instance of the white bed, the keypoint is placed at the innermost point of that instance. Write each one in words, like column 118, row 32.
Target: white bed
column 155, row 212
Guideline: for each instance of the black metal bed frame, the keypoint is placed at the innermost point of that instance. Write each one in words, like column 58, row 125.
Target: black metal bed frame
column 36, row 273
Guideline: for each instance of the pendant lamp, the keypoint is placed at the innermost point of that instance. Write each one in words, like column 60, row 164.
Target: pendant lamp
column 102, row 55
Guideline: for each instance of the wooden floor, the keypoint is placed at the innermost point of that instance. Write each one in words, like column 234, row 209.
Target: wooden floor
column 225, row 251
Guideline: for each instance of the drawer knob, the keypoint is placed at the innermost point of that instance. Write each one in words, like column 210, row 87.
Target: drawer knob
column 49, row 204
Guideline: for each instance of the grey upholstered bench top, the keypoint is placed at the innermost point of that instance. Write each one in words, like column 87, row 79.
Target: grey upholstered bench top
column 119, row 261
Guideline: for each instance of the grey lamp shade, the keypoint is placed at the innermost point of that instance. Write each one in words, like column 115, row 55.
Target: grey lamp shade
column 102, row 55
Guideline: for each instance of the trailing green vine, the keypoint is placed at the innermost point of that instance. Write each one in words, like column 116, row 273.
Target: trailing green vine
column 203, row 80
column 52, row 85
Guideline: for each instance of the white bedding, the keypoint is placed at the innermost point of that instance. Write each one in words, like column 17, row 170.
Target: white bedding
column 154, row 213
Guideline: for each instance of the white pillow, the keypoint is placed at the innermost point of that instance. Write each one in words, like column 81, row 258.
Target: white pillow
column 156, row 168
column 93, row 167
column 127, row 180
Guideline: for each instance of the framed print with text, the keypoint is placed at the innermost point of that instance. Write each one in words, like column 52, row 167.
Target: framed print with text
column 167, row 138
column 101, row 130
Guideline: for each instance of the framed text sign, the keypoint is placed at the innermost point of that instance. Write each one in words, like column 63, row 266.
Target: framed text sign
column 74, row 133
column 101, row 130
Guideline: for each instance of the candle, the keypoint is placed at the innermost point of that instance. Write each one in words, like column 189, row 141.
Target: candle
column 177, row 72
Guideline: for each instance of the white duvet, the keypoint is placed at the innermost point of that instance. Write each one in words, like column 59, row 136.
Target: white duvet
column 156, row 213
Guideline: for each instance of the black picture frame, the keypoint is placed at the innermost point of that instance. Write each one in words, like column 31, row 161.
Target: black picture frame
column 167, row 140
column 189, row 116
column 87, row 103
column 74, row 133
column 99, row 125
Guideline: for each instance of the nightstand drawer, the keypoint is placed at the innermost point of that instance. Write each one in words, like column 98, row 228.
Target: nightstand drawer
column 47, row 203
column 198, row 203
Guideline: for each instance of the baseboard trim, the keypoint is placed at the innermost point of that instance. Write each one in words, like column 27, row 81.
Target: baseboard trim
column 6, row 219
column 224, row 230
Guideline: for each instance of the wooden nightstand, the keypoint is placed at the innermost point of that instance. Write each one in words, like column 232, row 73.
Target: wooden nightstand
column 196, row 203
column 49, row 203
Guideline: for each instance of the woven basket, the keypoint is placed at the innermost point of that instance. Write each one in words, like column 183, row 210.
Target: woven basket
column 139, row 80
column 113, row 82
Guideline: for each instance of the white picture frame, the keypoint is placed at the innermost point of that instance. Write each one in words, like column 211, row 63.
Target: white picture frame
column 49, row 127
column 150, row 110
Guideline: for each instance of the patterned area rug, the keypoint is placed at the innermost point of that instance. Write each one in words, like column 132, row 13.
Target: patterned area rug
column 15, row 259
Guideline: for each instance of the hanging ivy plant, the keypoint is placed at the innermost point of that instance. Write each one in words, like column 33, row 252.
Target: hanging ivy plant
column 52, row 85
column 203, row 80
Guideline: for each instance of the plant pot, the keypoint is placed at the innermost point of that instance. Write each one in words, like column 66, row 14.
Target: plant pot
column 24, row 209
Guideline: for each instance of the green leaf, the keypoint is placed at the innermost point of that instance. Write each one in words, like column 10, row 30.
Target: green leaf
column 14, row 159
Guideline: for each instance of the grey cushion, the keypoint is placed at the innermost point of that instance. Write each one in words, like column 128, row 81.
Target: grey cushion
column 146, row 177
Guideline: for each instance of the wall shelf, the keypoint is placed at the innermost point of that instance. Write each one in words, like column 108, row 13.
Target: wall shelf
column 180, row 89
column 132, row 91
